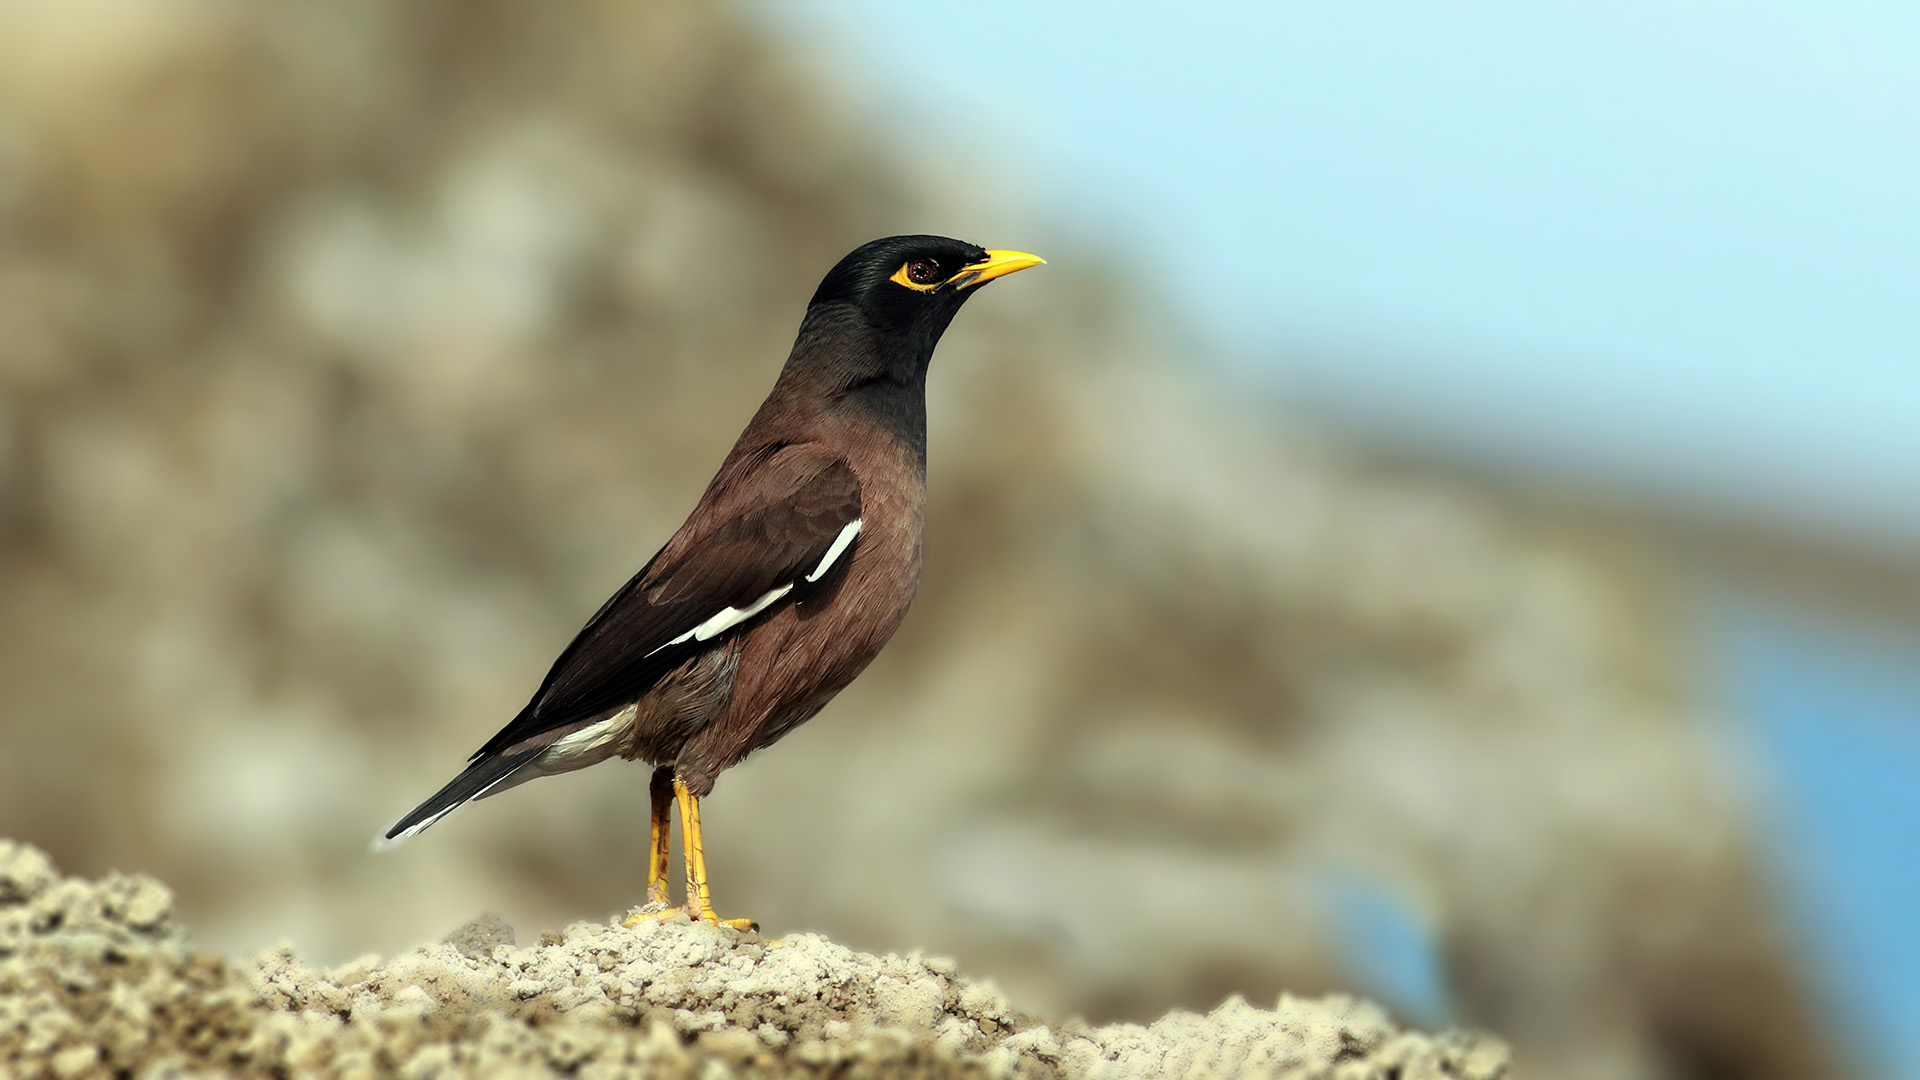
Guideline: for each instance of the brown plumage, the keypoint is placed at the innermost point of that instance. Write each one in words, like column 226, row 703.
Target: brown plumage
column 789, row 576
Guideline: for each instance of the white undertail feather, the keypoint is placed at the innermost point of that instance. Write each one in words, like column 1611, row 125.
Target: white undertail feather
column 591, row 744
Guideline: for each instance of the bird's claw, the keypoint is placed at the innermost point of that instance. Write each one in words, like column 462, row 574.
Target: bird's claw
column 653, row 913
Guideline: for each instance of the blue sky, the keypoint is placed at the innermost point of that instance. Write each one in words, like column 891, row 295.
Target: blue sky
column 1671, row 247
column 1666, row 250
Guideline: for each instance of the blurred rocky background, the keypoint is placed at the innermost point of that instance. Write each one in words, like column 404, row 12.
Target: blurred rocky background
column 351, row 353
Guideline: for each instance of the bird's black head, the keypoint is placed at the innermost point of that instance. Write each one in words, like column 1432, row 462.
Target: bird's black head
column 879, row 312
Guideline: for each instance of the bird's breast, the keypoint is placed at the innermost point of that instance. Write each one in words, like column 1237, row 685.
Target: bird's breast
column 884, row 573
column 814, row 648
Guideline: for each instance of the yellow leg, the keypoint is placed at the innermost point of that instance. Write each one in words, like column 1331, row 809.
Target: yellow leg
column 699, row 900
column 664, row 790
column 659, row 834
column 661, row 791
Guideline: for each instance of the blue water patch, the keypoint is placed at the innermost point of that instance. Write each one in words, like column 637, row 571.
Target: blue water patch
column 1832, row 711
column 1390, row 948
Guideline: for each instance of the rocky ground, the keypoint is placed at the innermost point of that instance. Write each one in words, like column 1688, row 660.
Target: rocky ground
column 97, row 978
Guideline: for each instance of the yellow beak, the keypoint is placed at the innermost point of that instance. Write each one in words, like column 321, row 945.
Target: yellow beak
column 996, row 264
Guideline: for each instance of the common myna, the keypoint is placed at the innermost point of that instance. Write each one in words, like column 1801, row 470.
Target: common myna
column 791, row 573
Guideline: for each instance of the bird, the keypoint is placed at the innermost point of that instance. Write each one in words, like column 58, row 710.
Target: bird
column 791, row 573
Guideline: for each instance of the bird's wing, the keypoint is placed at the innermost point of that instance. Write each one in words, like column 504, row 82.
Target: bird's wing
column 771, row 525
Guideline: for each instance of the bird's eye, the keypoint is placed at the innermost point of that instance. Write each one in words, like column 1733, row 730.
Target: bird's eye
column 920, row 275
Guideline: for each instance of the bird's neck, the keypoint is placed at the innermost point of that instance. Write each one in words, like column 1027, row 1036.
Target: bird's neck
column 898, row 409
column 842, row 366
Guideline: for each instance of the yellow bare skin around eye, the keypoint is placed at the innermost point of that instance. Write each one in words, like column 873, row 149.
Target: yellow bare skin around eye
column 900, row 278
column 996, row 264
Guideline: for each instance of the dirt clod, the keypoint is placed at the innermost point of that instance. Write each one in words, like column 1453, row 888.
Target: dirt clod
column 481, row 936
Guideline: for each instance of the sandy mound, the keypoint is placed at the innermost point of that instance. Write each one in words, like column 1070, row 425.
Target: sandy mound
column 96, row 978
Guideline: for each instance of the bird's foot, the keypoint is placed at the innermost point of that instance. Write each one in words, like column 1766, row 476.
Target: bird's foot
column 742, row 925
column 653, row 913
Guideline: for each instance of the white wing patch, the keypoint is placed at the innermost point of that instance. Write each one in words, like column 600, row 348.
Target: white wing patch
column 840, row 544
column 732, row 617
column 729, row 618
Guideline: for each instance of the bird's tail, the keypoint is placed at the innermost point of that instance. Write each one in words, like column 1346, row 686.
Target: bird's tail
column 476, row 781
